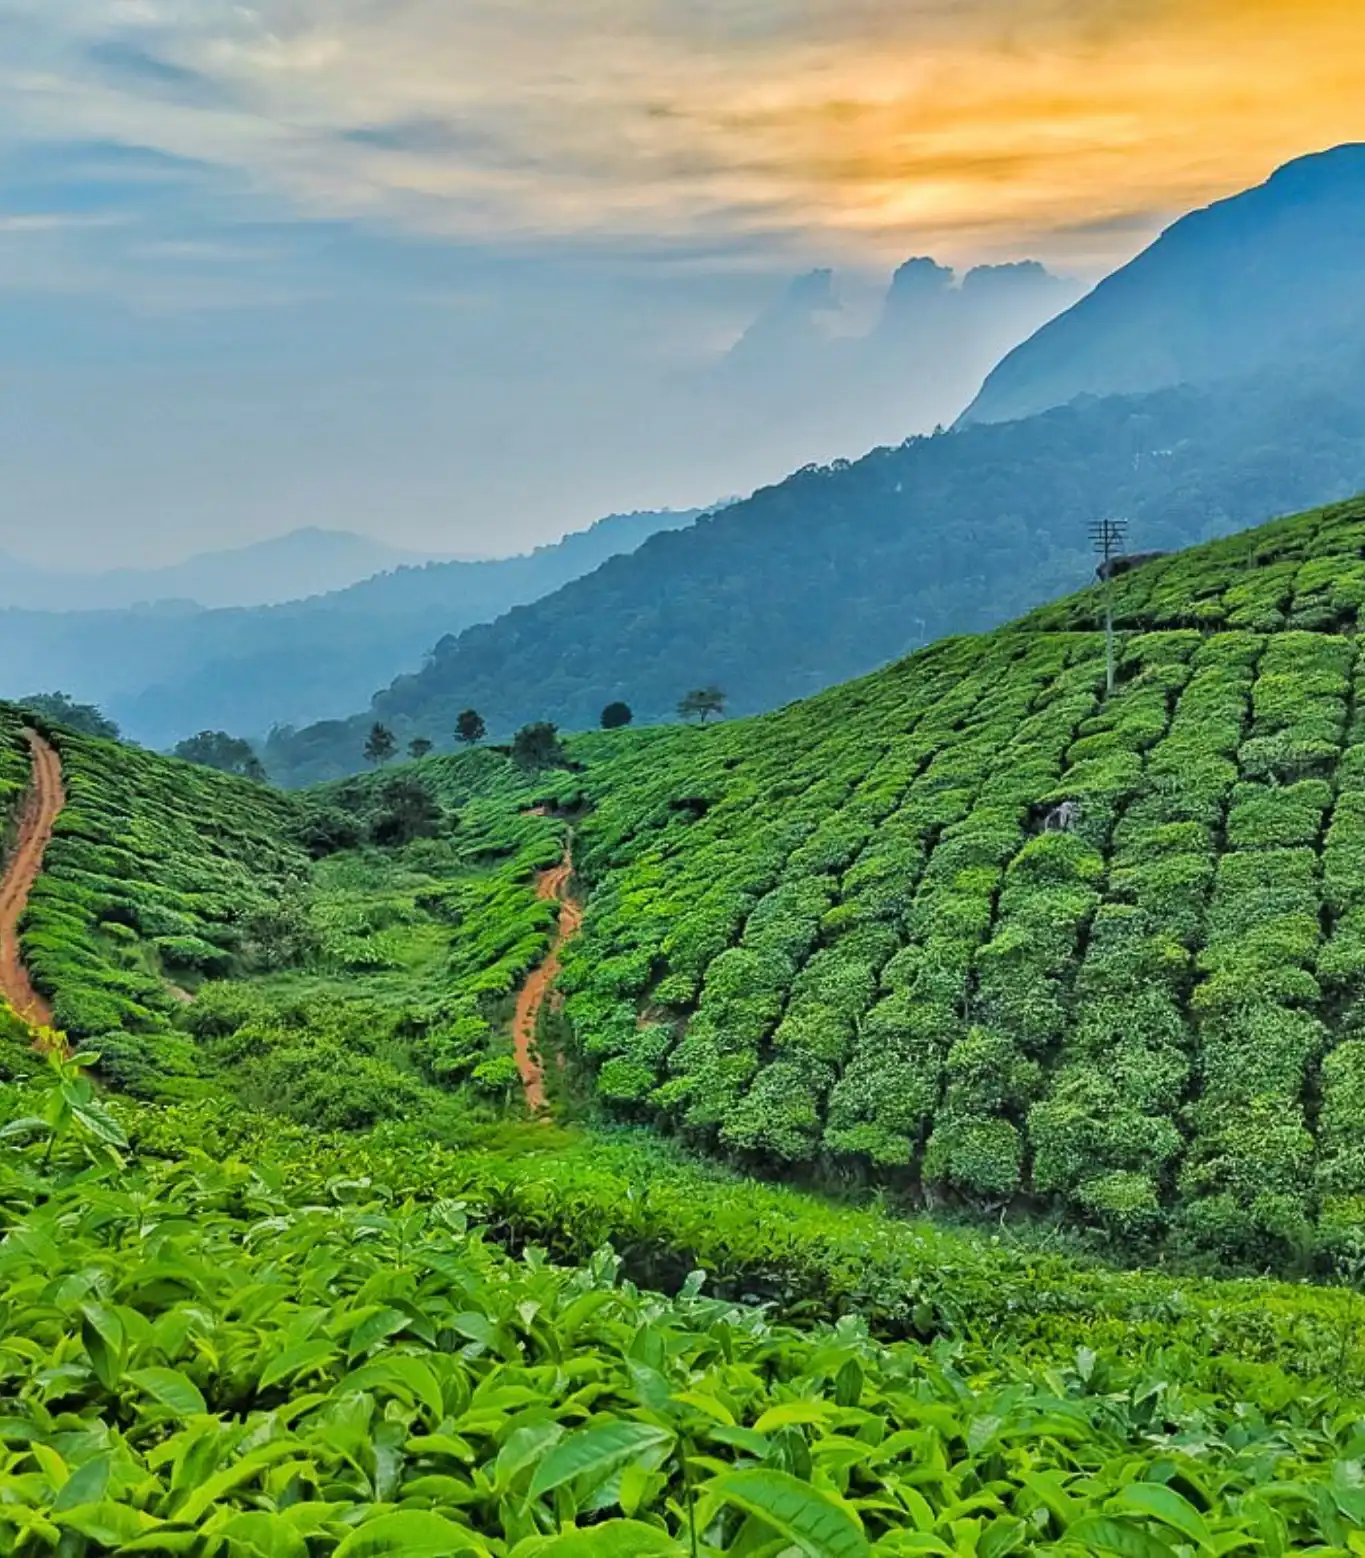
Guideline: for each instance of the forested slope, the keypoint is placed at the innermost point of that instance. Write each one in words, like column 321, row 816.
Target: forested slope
column 838, row 570
column 1270, row 274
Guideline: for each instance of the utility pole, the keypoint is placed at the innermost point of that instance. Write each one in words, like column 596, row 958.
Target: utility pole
column 1107, row 536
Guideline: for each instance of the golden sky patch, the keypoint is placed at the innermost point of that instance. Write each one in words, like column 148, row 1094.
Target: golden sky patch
column 853, row 130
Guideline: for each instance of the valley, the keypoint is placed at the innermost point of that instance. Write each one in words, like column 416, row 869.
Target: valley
column 958, row 1085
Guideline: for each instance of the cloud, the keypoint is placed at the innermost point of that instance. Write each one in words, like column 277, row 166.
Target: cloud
column 852, row 128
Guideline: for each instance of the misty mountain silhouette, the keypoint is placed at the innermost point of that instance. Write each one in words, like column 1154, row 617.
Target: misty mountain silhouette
column 1271, row 274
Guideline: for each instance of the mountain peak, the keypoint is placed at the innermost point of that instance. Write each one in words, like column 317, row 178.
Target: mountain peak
column 1261, row 276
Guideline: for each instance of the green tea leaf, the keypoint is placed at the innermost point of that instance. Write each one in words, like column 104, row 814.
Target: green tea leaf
column 611, row 1539
column 375, row 1328
column 1169, row 1507
column 294, row 1360
column 524, row 1447
column 172, row 1389
column 409, row 1533
column 102, row 1335
column 1102, row 1534
column 594, row 1451
column 263, row 1535
column 85, row 1485
column 812, row 1520
column 108, row 1523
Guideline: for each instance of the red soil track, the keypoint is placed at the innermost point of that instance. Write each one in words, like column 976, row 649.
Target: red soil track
column 553, row 884
column 45, row 799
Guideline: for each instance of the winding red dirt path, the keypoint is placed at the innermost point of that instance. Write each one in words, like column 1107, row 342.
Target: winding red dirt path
column 553, row 884
column 45, row 799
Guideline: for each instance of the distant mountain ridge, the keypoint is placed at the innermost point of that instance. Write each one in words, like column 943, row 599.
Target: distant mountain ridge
column 1274, row 273
column 167, row 670
column 842, row 568
column 307, row 561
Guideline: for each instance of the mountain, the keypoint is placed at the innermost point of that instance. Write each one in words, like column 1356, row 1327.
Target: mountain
column 1270, row 274
column 816, row 365
column 843, row 568
column 167, row 670
column 304, row 562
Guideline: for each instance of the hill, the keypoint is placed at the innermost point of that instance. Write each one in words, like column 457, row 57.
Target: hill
column 1270, row 275
column 842, row 935
column 294, row 1277
column 843, row 939
column 166, row 671
column 839, row 569
column 310, row 561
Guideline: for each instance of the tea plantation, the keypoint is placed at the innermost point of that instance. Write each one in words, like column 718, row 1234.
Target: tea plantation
column 286, row 1270
column 842, row 937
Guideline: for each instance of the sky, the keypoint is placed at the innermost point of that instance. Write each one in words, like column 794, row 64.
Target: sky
column 455, row 273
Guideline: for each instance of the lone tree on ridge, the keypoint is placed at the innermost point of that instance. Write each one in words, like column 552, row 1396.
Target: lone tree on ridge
column 470, row 728
column 379, row 745
column 701, row 703
column 616, row 716
column 538, row 746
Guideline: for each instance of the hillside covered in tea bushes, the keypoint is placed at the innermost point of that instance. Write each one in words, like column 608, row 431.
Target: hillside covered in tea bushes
column 286, row 1270
column 841, row 938
column 339, row 958
column 839, row 942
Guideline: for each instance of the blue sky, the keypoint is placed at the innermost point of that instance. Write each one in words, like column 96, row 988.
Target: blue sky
column 448, row 272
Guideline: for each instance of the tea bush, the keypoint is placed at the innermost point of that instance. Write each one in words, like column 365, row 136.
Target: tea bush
column 285, row 1353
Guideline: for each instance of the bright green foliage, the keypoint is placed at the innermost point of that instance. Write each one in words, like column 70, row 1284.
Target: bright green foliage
column 360, row 986
column 14, row 766
column 286, row 1355
column 846, row 935
column 154, row 872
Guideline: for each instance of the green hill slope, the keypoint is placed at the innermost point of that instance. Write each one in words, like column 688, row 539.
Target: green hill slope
column 835, row 934
column 842, row 940
column 210, row 937
column 841, row 935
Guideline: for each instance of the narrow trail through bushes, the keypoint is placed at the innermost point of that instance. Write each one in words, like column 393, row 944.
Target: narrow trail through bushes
column 554, row 885
column 45, row 799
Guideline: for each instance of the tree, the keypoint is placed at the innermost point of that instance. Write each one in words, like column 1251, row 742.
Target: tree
column 228, row 754
column 701, row 703
column 419, row 747
column 379, row 745
column 538, row 746
column 470, row 728
column 407, row 810
column 62, row 709
column 616, row 715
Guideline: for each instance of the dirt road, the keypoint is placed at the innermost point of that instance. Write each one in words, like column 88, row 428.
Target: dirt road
column 553, row 884
column 44, row 801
